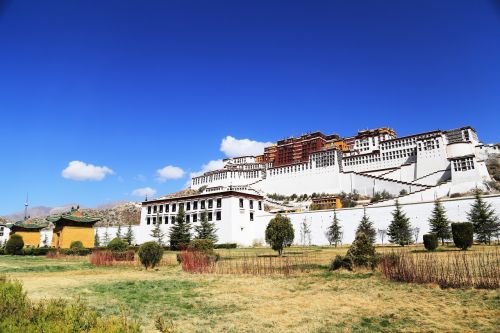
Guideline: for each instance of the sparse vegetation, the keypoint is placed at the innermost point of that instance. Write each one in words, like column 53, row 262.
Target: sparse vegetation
column 117, row 245
column 380, row 196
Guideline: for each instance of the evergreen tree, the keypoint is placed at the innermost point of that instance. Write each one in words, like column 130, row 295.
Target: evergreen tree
column 157, row 233
column 366, row 227
column 206, row 229
column 129, row 236
column 483, row 218
column 180, row 232
column 334, row 233
column 119, row 231
column 106, row 237
column 399, row 230
column 362, row 251
column 439, row 223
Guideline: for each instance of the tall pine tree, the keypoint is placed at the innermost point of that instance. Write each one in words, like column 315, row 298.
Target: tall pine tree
column 129, row 235
column 180, row 232
column 157, row 233
column 119, row 231
column 399, row 230
column 439, row 223
column 366, row 227
column 206, row 229
column 483, row 218
column 334, row 232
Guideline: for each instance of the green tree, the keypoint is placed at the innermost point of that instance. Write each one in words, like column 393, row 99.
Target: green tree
column 206, row 229
column 399, row 230
column 439, row 223
column 279, row 233
column 362, row 251
column 129, row 235
column 14, row 245
column 483, row 218
column 97, row 241
column 366, row 227
column 106, row 237
column 157, row 233
column 334, row 232
column 180, row 232
column 119, row 231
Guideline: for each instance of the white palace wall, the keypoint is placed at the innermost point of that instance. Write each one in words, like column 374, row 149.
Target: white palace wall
column 245, row 234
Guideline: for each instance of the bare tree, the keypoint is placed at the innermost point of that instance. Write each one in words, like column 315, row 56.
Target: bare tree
column 415, row 232
column 382, row 233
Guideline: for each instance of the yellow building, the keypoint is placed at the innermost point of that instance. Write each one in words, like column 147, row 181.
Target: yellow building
column 327, row 202
column 29, row 231
column 73, row 226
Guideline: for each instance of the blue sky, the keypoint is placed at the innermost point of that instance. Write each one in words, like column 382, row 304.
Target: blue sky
column 132, row 87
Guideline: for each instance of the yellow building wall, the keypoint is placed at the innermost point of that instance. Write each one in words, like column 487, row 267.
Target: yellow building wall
column 69, row 234
column 30, row 238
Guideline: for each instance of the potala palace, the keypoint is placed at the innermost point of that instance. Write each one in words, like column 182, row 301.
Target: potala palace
column 424, row 165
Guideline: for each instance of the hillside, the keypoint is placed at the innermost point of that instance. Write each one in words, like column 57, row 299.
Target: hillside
column 110, row 214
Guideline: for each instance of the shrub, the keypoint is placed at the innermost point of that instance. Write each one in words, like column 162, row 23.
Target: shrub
column 362, row 252
column 150, row 254
column 76, row 252
column 117, row 245
column 430, row 242
column 226, row 246
column 76, row 245
column 463, row 235
column 202, row 245
column 14, row 245
column 35, row 251
column 341, row 262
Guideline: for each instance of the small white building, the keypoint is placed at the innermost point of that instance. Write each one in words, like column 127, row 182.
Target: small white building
column 4, row 233
column 233, row 212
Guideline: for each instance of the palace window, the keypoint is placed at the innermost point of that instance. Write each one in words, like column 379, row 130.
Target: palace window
column 160, row 220
column 260, row 205
column 202, row 204
column 210, row 203
column 463, row 164
column 218, row 216
column 251, row 204
column 166, row 219
column 167, row 208
column 155, row 209
column 251, row 216
column 174, row 207
column 181, row 205
column 188, row 218
column 172, row 219
column 188, row 205
column 148, row 220
column 195, row 204
column 154, row 220
column 210, row 216
column 195, row 217
column 161, row 208
column 219, row 203
column 149, row 209
column 241, row 203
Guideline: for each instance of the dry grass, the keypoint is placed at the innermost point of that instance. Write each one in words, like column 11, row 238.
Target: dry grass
column 316, row 301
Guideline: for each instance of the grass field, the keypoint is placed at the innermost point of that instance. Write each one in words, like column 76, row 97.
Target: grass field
column 312, row 301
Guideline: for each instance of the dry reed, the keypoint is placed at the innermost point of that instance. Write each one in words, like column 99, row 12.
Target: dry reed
column 454, row 270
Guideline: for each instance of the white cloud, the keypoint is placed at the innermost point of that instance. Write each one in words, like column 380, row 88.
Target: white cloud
column 140, row 178
column 77, row 170
column 143, row 192
column 233, row 147
column 169, row 172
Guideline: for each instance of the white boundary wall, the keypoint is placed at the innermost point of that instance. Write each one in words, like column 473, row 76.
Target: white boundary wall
column 318, row 221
